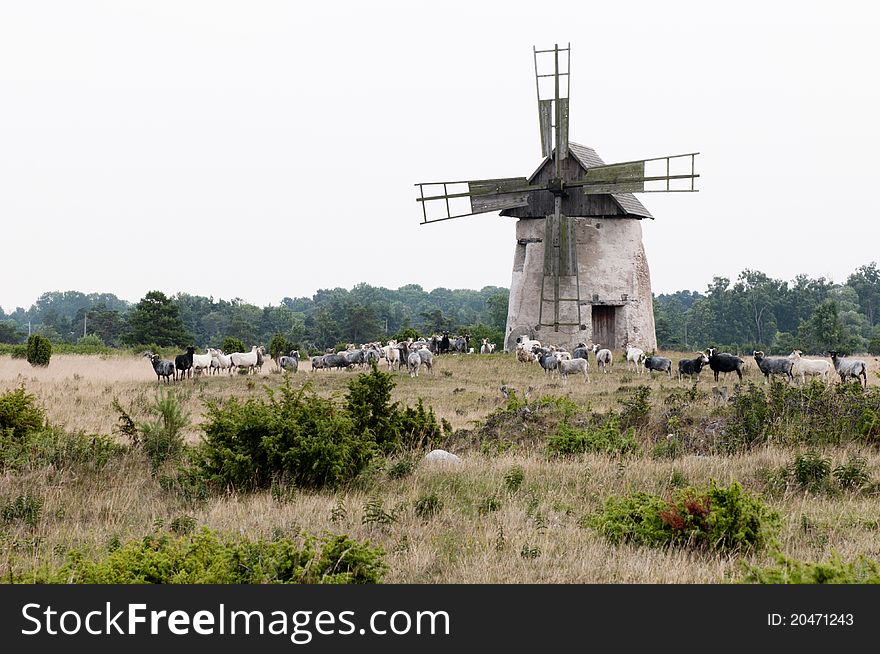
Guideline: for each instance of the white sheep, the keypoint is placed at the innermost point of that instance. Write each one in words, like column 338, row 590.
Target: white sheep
column 604, row 357
column 565, row 367
column 809, row 367
column 635, row 356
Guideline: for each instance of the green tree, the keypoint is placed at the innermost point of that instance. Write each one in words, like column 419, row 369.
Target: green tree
column 39, row 350
column 9, row 332
column 865, row 281
column 156, row 319
column 824, row 331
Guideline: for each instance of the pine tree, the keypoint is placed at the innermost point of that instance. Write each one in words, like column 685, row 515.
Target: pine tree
column 156, row 320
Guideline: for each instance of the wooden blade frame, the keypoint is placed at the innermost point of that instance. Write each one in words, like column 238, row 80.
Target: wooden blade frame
column 553, row 112
column 484, row 195
column 631, row 176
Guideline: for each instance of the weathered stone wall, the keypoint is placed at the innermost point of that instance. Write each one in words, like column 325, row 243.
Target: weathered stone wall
column 612, row 269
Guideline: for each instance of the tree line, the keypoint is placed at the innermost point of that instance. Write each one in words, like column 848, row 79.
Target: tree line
column 755, row 312
column 327, row 318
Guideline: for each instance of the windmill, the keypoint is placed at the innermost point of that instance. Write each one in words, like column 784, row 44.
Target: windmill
column 579, row 235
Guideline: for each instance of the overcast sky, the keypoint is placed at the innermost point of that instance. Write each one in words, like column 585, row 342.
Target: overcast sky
column 268, row 149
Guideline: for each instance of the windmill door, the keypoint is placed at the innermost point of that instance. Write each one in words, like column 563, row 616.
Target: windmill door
column 603, row 326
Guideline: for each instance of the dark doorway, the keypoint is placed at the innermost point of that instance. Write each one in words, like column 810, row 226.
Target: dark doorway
column 603, row 326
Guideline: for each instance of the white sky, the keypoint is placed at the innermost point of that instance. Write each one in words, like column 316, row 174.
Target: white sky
column 267, row 149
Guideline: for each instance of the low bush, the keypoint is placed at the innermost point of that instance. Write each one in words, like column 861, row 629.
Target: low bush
column 24, row 508
column 427, row 506
column 162, row 439
column 715, row 518
column 605, row 438
column 205, row 558
column 862, row 570
column 19, row 413
column 296, row 435
column 55, row 447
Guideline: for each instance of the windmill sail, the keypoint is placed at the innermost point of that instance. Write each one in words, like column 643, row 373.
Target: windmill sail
column 447, row 200
column 672, row 174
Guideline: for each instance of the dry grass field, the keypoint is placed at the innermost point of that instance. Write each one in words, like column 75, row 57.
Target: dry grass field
column 484, row 526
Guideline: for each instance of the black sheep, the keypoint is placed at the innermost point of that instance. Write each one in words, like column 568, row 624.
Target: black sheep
column 692, row 366
column 723, row 362
column 161, row 367
column 184, row 362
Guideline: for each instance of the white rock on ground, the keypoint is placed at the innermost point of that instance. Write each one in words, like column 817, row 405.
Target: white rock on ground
column 442, row 455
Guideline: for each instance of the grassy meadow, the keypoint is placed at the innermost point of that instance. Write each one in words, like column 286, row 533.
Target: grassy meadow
column 507, row 515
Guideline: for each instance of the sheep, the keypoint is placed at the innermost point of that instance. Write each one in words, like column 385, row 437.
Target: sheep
column 692, row 366
column 335, row 361
column 246, row 359
column 391, row 354
column 660, row 364
column 486, row 348
column 604, row 357
column 634, row 356
column 569, row 366
column 847, row 368
column 162, row 367
column 526, row 343
column 444, row 344
column 724, row 362
column 290, row 362
column 580, row 352
column 413, row 362
column 813, row 367
column 317, row 362
column 773, row 365
column 201, row 362
column 183, row 363
column 355, row 357
column 260, row 353
column 462, row 344
column 427, row 358
column 546, row 358
column 525, row 357
column 372, row 355
column 220, row 361
column 403, row 354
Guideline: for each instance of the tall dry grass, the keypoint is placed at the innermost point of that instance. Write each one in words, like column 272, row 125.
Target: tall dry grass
column 483, row 529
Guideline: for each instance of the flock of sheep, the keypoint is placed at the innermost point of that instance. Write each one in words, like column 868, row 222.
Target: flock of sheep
column 213, row 361
column 415, row 354
column 795, row 365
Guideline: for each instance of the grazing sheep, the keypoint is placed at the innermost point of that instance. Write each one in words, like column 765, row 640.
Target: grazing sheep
column 183, row 363
column 569, row 366
column 692, row 366
column 162, row 367
column 660, row 364
column 723, row 362
column 524, row 356
column 317, row 362
column 634, row 356
column 847, row 368
column 427, row 358
column 290, row 362
column 802, row 368
column 773, row 365
column 604, row 358
column 413, row 362
column 335, row 361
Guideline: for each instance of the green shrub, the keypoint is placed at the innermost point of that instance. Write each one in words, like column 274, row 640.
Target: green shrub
column 19, row 413
column 418, row 428
column 427, row 506
column 296, row 435
column 636, row 408
column 25, row 508
column 39, row 350
column 852, row 475
column 231, row 345
column 812, row 471
column 279, row 346
column 205, row 558
column 717, row 518
column 162, row 439
column 513, row 479
column 375, row 513
column 489, row 504
column 605, row 438
column 401, row 469
column 791, row 571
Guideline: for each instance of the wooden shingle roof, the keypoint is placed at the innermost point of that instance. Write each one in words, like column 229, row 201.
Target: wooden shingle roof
column 628, row 202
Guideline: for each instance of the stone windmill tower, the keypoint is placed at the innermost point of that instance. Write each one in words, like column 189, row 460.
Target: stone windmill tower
column 579, row 267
